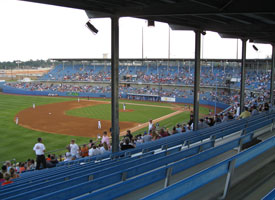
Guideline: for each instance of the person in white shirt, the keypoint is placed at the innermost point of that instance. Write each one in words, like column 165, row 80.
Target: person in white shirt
column 94, row 151
column 33, row 105
column 16, row 120
column 101, row 149
column 39, row 149
column 68, row 157
column 74, row 149
column 124, row 107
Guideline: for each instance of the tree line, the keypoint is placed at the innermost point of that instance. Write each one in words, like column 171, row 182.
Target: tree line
column 26, row 64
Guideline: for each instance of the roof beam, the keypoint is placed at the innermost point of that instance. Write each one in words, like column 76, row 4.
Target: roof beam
column 260, row 18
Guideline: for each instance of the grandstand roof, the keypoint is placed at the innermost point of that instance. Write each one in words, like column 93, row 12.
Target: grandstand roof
column 248, row 19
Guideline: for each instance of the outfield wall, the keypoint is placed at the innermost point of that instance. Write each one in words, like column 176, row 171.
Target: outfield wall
column 11, row 90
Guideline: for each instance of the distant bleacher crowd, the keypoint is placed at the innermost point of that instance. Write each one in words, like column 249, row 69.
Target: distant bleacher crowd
column 179, row 75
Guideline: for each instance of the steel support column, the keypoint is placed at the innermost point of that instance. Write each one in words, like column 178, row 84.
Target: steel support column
column 115, row 84
column 272, row 75
column 242, row 90
column 197, row 79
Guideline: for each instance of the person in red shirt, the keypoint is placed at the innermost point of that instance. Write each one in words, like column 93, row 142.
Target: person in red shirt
column 84, row 151
column 7, row 178
column 22, row 167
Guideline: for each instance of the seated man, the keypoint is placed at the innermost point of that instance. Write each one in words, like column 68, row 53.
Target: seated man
column 245, row 113
column 7, row 178
column 126, row 144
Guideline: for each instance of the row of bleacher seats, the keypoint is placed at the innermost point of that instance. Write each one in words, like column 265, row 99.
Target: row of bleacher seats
column 270, row 195
column 184, row 187
column 83, row 176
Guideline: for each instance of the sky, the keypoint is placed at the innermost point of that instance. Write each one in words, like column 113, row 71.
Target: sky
column 37, row 31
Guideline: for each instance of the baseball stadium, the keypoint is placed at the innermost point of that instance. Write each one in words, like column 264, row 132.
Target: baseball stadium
column 149, row 128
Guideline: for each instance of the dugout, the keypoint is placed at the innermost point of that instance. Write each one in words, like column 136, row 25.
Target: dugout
column 143, row 97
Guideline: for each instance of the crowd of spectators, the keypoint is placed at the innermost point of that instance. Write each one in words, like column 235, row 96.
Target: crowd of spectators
column 157, row 132
column 182, row 75
column 219, row 95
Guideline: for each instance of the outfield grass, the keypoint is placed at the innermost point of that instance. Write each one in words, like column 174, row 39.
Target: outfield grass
column 140, row 114
column 17, row 142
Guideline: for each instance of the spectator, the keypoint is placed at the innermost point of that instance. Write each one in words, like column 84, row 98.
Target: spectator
column 22, row 167
column 174, row 130
column 178, row 128
column 211, row 122
column 74, row 149
column 61, row 158
column 146, row 137
column 163, row 133
column 103, row 148
column 7, row 178
column 4, row 169
column 13, row 173
column 48, row 158
column 52, row 163
column 254, row 110
column 105, row 138
column 8, row 164
column 68, row 157
column 126, row 144
column 202, row 124
column 155, row 135
column 129, row 135
column 17, row 167
column 266, row 107
column 84, row 151
column 1, row 178
column 39, row 149
column 94, row 151
column 138, row 140
column 91, row 143
column 245, row 113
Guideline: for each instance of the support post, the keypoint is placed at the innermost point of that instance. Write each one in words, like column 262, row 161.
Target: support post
column 168, row 177
column 197, row 79
column 242, row 90
column 272, row 75
column 115, row 84
column 231, row 168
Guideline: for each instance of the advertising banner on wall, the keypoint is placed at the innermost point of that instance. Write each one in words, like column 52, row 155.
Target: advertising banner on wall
column 168, row 99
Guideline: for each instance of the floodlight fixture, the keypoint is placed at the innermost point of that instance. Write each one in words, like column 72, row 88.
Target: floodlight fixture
column 150, row 23
column 255, row 48
column 91, row 27
column 203, row 32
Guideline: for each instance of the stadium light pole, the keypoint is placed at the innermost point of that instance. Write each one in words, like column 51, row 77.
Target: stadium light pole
column 115, row 82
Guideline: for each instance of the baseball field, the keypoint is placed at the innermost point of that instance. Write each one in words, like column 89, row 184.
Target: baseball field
column 58, row 120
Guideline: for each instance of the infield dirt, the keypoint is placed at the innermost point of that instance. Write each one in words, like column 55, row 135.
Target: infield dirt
column 52, row 118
